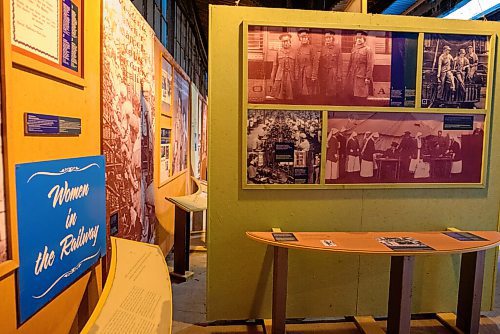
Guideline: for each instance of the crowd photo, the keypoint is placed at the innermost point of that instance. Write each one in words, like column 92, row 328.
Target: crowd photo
column 404, row 148
column 455, row 71
column 329, row 67
column 283, row 147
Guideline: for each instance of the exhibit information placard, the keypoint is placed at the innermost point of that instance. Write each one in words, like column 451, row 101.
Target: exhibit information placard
column 165, row 154
column 49, row 31
column 61, row 225
column 38, row 124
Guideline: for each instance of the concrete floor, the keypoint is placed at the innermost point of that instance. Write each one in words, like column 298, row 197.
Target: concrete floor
column 189, row 303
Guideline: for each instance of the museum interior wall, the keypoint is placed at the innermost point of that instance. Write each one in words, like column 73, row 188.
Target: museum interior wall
column 33, row 86
column 133, row 104
column 325, row 285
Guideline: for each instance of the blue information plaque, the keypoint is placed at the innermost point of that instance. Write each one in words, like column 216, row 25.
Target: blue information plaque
column 61, row 209
column 39, row 124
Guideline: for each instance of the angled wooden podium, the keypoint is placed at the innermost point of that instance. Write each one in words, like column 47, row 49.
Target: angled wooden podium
column 184, row 206
column 402, row 260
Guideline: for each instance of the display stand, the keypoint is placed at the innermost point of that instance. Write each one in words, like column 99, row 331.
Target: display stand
column 137, row 296
column 184, row 206
column 402, row 262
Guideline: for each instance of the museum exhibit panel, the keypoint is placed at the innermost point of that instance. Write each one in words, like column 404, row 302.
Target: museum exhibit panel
column 351, row 159
column 415, row 159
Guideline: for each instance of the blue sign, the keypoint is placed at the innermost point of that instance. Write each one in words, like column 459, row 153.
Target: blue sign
column 458, row 122
column 61, row 209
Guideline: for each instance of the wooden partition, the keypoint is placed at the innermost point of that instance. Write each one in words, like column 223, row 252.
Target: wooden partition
column 320, row 285
column 31, row 85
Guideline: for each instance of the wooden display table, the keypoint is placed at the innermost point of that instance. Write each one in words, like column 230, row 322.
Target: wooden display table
column 184, row 206
column 137, row 296
column 405, row 246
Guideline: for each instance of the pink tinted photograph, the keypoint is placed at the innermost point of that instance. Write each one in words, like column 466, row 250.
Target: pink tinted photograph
column 404, row 148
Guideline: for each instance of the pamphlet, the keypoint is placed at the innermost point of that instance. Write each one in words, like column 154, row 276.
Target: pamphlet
column 464, row 236
column 284, row 236
column 403, row 244
column 328, row 243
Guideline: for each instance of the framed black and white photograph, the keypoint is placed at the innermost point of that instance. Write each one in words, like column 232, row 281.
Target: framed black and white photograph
column 283, row 147
column 425, row 148
column 455, row 71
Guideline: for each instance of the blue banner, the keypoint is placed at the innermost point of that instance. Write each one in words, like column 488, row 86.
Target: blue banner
column 397, row 69
column 61, row 209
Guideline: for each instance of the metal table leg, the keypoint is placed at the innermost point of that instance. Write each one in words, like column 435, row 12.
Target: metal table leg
column 470, row 292
column 280, row 273
column 399, row 306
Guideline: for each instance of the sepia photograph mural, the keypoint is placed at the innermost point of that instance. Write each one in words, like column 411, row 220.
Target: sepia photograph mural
column 404, row 148
column 317, row 66
column 283, row 147
column 180, row 124
column 455, row 71
column 166, row 86
column 128, row 119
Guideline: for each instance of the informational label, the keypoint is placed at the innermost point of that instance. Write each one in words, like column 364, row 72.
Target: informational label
column 403, row 244
column 458, row 122
column 38, row 124
column 328, row 243
column 165, row 154
column 300, row 175
column 41, row 124
column 284, row 151
column 464, row 236
column 70, row 126
column 140, row 298
column 113, row 224
column 284, row 236
column 35, row 27
column 61, row 209
column 74, row 37
column 66, row 34
column 403, row 63
column 165, row 136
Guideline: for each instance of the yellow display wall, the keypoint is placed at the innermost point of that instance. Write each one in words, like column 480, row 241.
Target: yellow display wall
column 176, row 185
column 323, row 285
column 31, row 86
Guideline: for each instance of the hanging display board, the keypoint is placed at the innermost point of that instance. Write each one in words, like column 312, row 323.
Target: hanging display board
column 62, row 226
column 49, row 31
column 180, row 124
column 128, row 119
column 3, row 229
column 166, row 87
column 195, row 131
column 341, row 284
column 328, row 107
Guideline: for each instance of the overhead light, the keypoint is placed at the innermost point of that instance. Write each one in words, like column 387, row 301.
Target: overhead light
column 472, row 9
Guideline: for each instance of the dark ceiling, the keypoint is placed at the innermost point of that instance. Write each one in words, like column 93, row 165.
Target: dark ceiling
column 201, row 7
